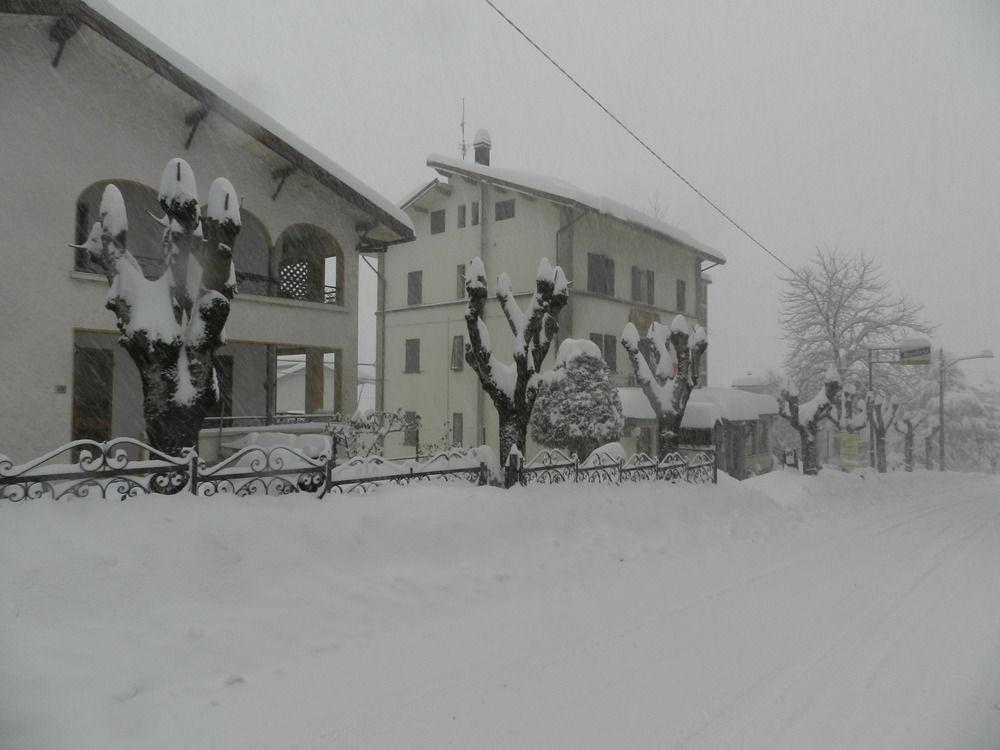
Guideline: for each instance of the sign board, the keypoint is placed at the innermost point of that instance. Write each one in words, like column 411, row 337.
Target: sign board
column 915, row 356
column 848, row 451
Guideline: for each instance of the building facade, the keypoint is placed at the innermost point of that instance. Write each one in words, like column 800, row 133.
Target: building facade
column 91, row 98
column 622, row 265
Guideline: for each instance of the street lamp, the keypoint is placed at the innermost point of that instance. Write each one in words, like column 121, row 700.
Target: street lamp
column 984, row 354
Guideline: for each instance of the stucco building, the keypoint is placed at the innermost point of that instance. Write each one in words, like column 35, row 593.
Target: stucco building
column 89, row 97
column 623, row 266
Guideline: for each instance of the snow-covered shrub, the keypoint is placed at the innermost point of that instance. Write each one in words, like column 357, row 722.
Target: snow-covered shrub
column 578, row 408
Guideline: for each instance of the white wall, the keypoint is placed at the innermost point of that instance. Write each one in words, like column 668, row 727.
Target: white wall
column 101, row 115
column 515, row 245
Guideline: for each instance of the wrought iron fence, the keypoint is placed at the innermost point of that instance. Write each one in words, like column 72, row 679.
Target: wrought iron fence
column 693, row 465
column 124, row 468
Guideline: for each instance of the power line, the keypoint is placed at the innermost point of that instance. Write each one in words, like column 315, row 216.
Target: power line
column 637, row 139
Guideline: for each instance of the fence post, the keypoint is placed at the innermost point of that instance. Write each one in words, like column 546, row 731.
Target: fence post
column 330, row 463
column 715, row 467
column 576, row 468
column 482, row 474
column 194, row 473
column 621, row 471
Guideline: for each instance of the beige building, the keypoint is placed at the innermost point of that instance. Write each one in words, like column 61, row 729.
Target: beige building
column 623, row 266
column 89, row 98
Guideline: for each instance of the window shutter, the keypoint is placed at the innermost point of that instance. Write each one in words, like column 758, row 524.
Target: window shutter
column 460, row 281
column 475, row 213
column 412, row 363
column 598, row 339
column 636, row 284
column 681, row 296
column 609, row 276
column 457, row 352
column 611, row 352
column 650, row 296
column 592, row 271
column 457, row 429
column 461, row 216
column 437, row 221
column 414, row 287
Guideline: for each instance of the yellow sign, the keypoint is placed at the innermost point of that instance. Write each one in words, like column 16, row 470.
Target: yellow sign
column 848, row 451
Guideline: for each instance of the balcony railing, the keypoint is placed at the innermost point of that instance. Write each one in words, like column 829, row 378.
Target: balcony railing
column 248, row 283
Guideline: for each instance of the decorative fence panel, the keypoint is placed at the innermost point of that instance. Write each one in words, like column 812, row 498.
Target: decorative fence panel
column 123, row 468
column 693, row 465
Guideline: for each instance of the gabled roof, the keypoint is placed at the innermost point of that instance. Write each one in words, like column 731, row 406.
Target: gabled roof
column 562, row 192
column 123, row 32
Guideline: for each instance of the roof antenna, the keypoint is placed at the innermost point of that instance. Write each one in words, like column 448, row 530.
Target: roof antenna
column 463, row 146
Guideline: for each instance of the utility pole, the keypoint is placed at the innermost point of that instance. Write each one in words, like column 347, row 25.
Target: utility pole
column 463, row 146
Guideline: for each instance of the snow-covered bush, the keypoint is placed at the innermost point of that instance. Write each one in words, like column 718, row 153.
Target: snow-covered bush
column 578, row 408
column 172, row 326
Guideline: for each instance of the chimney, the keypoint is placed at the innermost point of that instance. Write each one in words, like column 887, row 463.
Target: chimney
column 481, row 144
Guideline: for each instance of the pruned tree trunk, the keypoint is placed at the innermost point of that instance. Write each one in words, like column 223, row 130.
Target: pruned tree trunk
column 513, row 388
column 929, row 447
column 806, row 418
column 667, row 366
column 881, row 417
column 172, row 327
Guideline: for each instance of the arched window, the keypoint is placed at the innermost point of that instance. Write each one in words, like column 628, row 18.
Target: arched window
column 310, row 265
column 252, row 255
column 145, row 236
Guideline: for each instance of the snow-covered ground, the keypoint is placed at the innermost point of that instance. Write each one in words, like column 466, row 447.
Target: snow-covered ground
column 840, row 612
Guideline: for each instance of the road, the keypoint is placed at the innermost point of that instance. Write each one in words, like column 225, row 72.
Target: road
column 880, row 630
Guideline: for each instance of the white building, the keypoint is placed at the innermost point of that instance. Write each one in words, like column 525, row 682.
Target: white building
column 88, row 98
column 623, row 266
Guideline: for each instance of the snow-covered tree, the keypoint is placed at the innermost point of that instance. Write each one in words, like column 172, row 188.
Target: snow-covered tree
column 667, row 366
column 806, row 418
column 513, row 388
column 837, row 307
column 881, row 416
column 908, row 424
column 172, row 326
column 578, row 408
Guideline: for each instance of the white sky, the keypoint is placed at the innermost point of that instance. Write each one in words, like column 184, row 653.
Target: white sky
column 869, row 126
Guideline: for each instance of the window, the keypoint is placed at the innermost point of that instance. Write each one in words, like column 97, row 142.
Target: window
column 457, row 429
column 600, row 274
column 504, row 209
column 415, row 288
column 437, row 221
column 681, row 296
column 642, row 286
column 461, row 216
column 475, row 213
column 608, row 345
column 457, row 353
column 412, row 356
column 411, row 432
column 460, row 281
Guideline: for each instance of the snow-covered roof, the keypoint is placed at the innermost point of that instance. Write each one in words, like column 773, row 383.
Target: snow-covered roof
column 125, row 33
column 705, row 407
column 560, row 191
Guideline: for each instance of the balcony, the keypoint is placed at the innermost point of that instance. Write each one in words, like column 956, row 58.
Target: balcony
column 246, row 283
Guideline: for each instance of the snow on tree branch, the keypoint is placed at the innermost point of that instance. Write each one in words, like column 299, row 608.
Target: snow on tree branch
column 667, row 366
column 513, row 387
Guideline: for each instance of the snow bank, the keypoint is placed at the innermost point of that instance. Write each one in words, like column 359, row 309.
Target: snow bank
column 431, row 616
